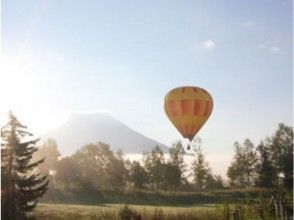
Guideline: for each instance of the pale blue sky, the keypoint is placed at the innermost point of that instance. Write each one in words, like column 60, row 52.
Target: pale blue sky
column 124, row 56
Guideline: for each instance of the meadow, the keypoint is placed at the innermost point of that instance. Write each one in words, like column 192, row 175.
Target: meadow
column 117, row 211
column 214, row 205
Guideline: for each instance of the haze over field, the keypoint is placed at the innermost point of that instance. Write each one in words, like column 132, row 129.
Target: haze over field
column 122, row 57
column 85, row 128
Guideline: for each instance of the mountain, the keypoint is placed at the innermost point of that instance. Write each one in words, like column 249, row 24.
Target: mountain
column 85, row 128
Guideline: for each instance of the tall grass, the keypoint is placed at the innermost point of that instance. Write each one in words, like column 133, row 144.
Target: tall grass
column 113, row 212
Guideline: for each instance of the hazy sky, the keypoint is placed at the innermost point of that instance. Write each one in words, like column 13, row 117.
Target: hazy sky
column 60, row 57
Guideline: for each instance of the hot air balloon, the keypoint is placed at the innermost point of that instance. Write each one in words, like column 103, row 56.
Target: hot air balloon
column 188, row 108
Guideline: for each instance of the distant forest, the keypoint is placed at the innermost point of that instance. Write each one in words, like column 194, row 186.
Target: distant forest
column 95, row 167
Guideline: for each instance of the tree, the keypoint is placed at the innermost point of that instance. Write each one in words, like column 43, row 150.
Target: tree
column 99, row 168
column 49, row 151
column 266, row 172
column 116, row 170
column 68, row 173
column 153, row 164
column 201, row 170
column 214, row 182
column 171, row 176
column 242, row 171
column 177, row 153
column 138, row 175
column 20, row 186
column 90, row 166
column 281, row 153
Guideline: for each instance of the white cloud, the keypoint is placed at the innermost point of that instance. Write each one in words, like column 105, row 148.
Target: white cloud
column 275, row 49
column 249, row 24
column 269, row 48
column 209, row 44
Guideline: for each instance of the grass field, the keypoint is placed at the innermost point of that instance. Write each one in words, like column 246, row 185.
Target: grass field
column 214, row 205
column 114, row 211
column 46, row 211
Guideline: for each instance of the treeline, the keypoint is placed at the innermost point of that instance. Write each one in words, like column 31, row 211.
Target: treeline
column 269, row 164
column 96, row 167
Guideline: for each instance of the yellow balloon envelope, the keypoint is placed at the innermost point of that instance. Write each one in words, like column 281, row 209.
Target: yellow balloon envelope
column 188, row 108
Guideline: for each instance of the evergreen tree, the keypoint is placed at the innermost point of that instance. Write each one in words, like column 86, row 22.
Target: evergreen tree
column 20, row 186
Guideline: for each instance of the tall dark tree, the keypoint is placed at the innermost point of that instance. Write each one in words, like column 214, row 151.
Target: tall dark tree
column 177, row 153
column 266, row 172
column 171, row 174
column 153, row 162
column 201, row 169
column 138, row 175
column 116, row 169
column 242, row 171
column 281, row 149
column 20, row 186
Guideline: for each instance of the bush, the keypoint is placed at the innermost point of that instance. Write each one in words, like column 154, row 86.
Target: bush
column 125, row 213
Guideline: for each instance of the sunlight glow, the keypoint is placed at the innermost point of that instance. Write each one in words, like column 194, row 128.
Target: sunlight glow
column 20, row 90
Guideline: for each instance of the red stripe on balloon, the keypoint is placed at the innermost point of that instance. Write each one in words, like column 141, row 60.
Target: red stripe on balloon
column 185, row 106
column 207, row 108
column 172, row 106
column 197, row 106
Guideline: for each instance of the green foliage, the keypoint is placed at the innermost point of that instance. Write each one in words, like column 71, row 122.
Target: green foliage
column 94, row 166
column 138, row 175
column 68, row 173
column 281, row 150
column 153, row 164
column 202, row 174
column 21, row 186
column 172, row 176
column 177, row 165
column 176, row 153
column 201, row 169
column 242, row 170
column 164, row 174
column 269, row 165
column 266, row 172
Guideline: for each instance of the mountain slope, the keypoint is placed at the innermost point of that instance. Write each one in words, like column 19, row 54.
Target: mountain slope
column 84, row 128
